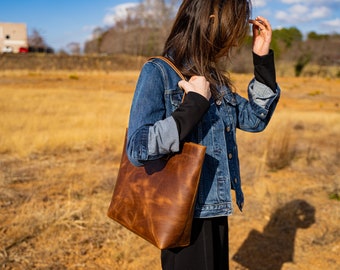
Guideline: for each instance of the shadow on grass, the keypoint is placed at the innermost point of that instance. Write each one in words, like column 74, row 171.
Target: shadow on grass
column 273, row 247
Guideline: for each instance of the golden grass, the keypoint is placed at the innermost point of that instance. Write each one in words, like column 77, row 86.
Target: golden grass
column 287, row 69
column 61, row 135
column 37, row 118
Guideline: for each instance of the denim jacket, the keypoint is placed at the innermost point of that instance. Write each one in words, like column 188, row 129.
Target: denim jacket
column 153, row 133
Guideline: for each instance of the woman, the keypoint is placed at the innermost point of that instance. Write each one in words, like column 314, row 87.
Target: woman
column 204, row 32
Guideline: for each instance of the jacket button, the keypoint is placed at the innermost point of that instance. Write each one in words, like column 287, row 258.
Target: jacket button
column 235, row 180
column 218, row 102
column 230, row 155
column 228, row 129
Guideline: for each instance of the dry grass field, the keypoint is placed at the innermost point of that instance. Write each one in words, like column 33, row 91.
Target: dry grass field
column 61, row 136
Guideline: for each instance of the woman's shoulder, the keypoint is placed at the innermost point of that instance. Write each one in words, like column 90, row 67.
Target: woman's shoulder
column 154, row 66
column 159, row 65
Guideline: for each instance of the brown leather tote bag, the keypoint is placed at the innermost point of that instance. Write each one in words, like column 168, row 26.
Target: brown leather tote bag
column 156, row 201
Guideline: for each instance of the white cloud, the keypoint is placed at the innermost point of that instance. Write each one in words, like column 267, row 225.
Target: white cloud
column 298, row 10
column 310, row 15
column 310, row 2
column 302, row 13
column 119, row 12
column 333, row 23
column 282, row 16
column 320, row 13
column 259, row 3
column 291, row 1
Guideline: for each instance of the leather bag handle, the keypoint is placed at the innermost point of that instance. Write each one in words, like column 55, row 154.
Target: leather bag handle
column 172, row 65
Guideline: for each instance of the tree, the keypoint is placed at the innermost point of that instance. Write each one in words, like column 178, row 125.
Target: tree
column 284, row 38
column 97, row 32
column 36, row 43
column 74, row 47
column 287, row 35
column 36, row 40
column 302, row 61
column 141, row 32
column 314, row 36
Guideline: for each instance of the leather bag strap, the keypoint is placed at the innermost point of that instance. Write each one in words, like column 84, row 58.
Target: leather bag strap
column 172, row 65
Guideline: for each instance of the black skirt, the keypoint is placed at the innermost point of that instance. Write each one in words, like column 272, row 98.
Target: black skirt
column 208, row 249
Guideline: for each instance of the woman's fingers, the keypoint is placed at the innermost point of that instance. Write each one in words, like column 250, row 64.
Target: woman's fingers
column 197, row 84
column 261, row 23
column 262, row 34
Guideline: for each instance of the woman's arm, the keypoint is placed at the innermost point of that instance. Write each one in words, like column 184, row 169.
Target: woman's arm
column 263, row 57
column 254, row 114
column 194, row 106
column 263, row 91
column 150, row 134
column 264, row 69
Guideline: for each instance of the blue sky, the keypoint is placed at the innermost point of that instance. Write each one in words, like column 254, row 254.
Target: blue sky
column 62, row 22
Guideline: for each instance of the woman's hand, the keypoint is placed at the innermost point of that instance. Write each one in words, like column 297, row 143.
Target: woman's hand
column 197, row 84
column 262, row 35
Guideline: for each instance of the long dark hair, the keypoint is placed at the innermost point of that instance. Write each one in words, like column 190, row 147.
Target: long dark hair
column 204, row 31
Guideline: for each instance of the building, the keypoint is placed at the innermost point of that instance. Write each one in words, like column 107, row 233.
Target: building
column 13, row 38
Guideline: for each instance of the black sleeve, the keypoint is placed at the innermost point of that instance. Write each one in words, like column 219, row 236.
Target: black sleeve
column 264, row 69
column 189, row 113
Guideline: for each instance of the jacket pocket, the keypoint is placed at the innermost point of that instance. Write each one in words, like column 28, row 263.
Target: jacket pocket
column 175, row 97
